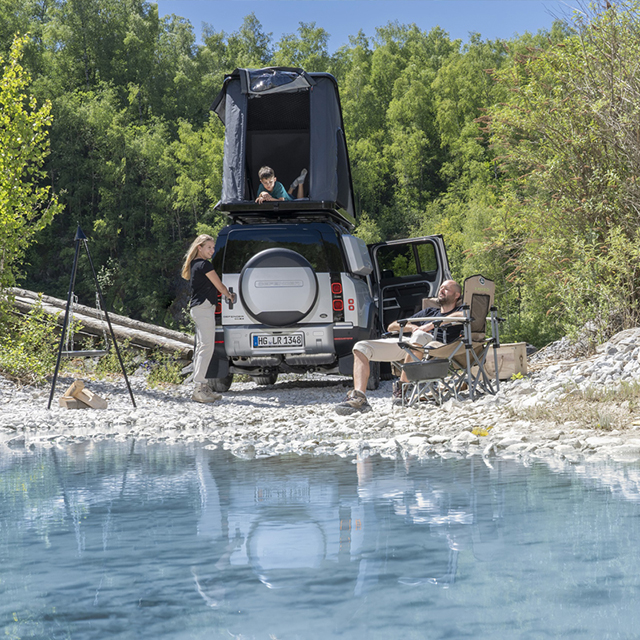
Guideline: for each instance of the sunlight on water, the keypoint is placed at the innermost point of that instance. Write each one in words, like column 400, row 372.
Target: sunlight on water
column 124, row 540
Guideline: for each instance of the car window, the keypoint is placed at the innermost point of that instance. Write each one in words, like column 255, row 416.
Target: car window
column 396, row 261
column 321, row 249
column 427, row 257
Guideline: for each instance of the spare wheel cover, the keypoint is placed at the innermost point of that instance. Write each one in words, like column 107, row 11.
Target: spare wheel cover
column 278, row 287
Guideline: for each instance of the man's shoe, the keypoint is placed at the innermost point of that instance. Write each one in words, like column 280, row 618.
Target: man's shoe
column 204, row 393
column 356, row 402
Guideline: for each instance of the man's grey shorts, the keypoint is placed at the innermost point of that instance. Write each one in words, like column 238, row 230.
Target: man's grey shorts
column 387, row 349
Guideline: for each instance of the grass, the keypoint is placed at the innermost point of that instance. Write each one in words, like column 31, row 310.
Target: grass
column 605, row 409
column 161, row 368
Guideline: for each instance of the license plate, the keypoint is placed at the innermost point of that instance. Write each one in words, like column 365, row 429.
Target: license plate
column 275, row 341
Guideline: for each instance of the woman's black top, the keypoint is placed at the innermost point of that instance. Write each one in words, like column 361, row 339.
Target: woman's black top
column 201, row 287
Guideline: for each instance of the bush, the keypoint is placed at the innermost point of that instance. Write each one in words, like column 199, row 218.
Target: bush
column 110, row 363
column 164, row 368
column 28, row 346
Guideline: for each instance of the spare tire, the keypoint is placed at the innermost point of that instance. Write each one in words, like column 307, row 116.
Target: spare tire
column 278, row 287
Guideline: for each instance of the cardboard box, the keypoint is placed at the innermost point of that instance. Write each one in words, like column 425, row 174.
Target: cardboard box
column 512, row 359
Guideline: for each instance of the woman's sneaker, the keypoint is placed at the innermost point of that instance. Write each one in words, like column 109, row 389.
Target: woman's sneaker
column 356, row 402
column 204, row 393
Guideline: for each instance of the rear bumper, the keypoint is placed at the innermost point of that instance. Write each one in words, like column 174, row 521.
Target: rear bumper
column 243, row 341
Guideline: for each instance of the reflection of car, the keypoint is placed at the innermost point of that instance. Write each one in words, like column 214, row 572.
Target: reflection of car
column 307, row 288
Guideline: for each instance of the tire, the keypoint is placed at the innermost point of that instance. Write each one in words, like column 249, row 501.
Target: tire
column 266, row 380
column 221, row 384
column 278, row 287
column 385, row 371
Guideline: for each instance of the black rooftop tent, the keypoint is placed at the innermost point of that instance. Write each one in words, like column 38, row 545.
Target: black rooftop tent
column 289, row 120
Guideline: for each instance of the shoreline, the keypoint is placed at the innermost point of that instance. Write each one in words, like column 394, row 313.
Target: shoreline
column 537, row 417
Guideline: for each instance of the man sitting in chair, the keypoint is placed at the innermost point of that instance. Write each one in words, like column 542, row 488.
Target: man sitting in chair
column 387, row 349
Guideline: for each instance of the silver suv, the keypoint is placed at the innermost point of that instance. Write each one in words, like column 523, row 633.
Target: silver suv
column 308, row 291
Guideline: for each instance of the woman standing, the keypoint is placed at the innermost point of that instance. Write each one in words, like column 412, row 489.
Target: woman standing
column 205, row 284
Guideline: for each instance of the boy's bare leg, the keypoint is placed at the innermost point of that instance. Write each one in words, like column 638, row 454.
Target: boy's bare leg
column 299, row 191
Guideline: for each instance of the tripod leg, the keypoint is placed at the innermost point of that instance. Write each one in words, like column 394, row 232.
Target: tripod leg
column 65, row 324
column 106, row 315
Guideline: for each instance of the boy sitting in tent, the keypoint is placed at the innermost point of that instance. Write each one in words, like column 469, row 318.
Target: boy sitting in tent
column 270, row 189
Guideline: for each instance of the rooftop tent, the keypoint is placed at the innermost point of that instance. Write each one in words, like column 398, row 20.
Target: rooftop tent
column 289, row 120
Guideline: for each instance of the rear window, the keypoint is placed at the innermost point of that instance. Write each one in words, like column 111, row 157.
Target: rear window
column 319, row 246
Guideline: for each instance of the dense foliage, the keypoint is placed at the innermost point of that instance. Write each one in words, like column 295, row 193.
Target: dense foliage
column 522, row 153
column 25, row 203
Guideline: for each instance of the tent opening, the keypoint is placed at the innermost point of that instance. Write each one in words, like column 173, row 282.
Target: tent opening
column 278, row 135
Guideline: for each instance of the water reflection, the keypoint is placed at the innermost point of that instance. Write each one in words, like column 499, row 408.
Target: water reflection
column 127, row 540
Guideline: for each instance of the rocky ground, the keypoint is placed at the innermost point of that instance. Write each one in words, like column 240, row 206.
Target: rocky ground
column 575, row 409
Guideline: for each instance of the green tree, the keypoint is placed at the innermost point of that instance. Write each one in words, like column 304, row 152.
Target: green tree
column 250, row 46
column 308, row 50
column 26, row 204
column 569, row 137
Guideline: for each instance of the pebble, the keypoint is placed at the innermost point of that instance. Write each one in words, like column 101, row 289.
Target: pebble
column 297, row 416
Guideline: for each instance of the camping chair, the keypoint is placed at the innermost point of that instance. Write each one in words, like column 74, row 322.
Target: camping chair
column 466, row 357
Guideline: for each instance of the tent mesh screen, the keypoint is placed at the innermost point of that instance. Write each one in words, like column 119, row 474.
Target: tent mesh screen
column 279, row 112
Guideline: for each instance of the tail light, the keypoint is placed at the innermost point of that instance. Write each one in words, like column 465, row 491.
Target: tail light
column 337, row 301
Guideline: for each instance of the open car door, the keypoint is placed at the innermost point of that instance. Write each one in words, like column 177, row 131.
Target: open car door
column 406, row 271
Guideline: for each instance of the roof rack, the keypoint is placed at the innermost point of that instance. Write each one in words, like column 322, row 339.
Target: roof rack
column 289, row 211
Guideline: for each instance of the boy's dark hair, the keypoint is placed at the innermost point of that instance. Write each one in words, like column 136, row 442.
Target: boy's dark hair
column 266, row 172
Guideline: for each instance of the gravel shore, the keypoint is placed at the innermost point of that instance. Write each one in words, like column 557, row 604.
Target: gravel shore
column 541, row 416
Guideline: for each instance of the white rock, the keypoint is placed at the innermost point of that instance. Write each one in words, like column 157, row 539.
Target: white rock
column 601, row 441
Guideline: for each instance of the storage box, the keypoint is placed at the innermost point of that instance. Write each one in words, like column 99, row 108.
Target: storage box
column 512, row 359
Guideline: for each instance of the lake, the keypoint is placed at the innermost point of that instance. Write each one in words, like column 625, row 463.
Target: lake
column 124, row 539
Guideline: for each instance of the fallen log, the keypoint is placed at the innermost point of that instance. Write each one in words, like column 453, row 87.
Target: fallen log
column 139, row 334
column 99, row 315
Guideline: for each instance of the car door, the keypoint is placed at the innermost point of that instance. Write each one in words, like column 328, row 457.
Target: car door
column 405, row 272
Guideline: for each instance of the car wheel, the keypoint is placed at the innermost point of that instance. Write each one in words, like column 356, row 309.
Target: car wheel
column 278, row 287
column 221, row 384
column 385, row 371
column 266, row 380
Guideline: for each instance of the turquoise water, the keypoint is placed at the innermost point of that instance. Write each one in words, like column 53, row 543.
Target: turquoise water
column 128, row 540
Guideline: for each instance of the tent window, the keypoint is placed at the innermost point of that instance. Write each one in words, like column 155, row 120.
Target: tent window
column 263, row 80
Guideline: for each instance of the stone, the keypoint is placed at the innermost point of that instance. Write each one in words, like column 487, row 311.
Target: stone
column 466, row 437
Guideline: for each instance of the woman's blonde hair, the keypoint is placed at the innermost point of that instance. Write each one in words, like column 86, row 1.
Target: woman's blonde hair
column 192, row 252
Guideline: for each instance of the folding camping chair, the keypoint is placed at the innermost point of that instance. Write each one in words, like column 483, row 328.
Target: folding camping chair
column 465, row 357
